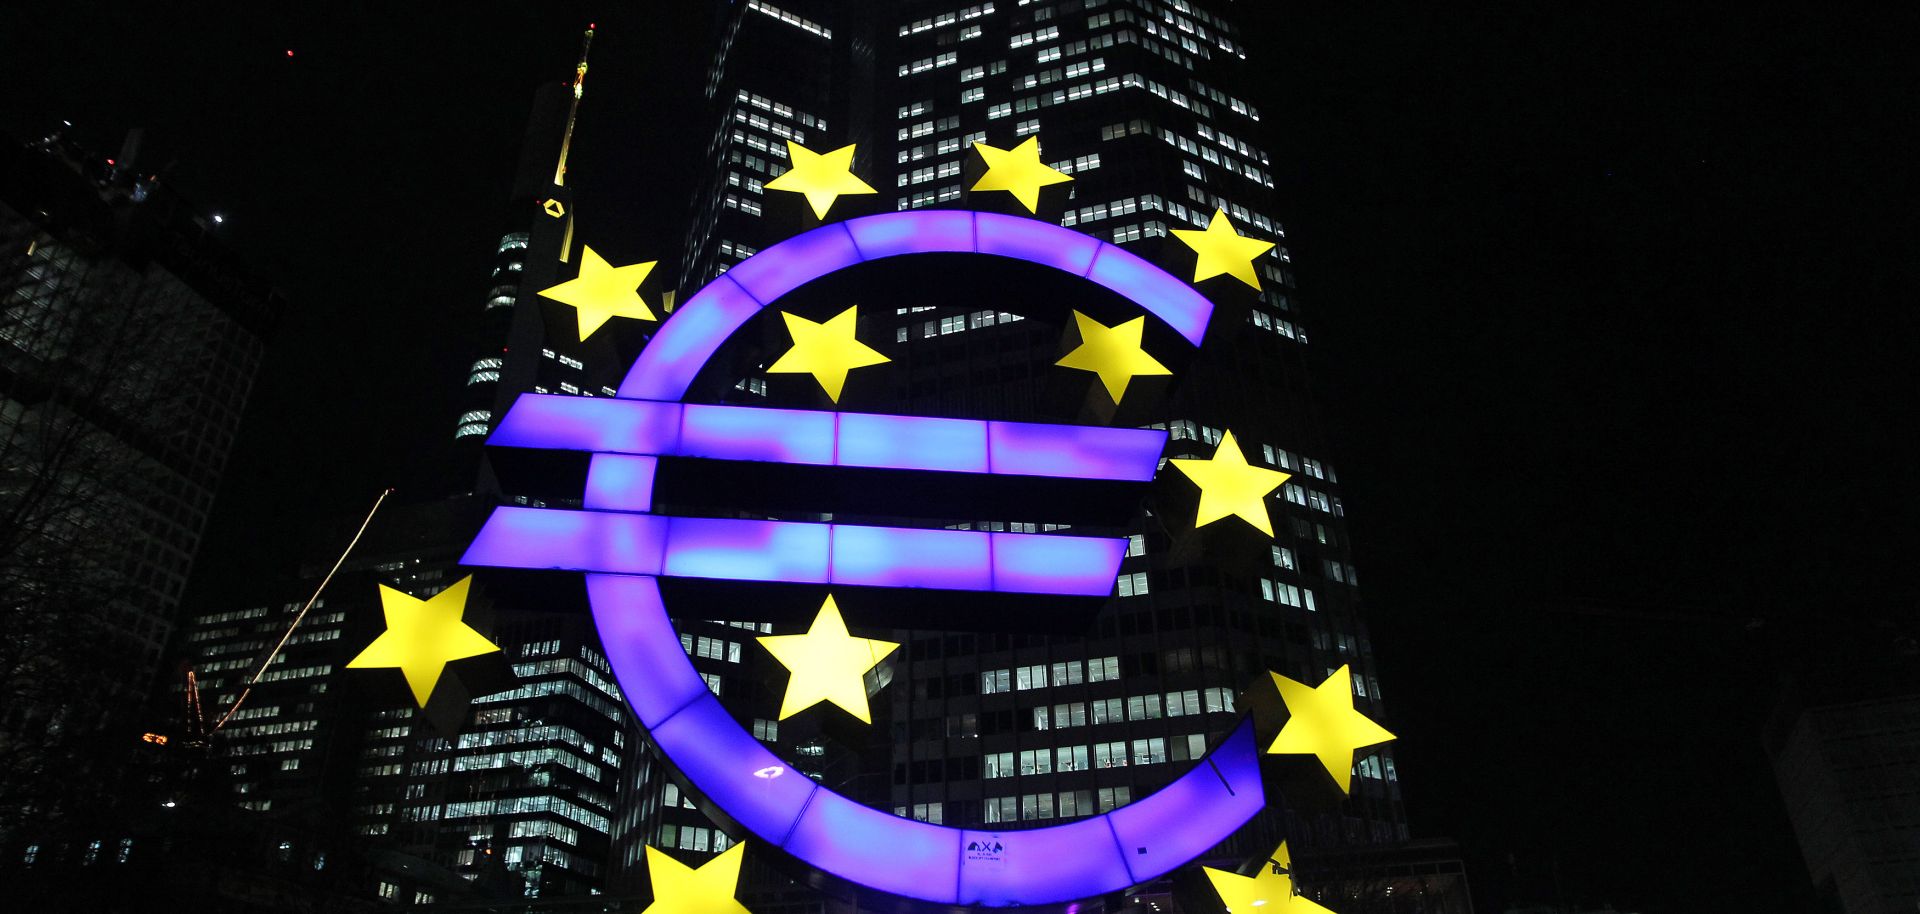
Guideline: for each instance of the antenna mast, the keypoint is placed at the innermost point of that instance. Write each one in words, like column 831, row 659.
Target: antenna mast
column 579, row 89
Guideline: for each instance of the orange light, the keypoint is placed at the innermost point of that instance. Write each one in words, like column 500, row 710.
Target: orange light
column 157, row 739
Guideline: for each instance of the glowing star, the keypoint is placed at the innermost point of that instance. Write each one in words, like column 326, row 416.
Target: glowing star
column 603, row 291
column 422, row 636
column 1220, row 249
column 1018, row 171
column 827, row 351
column 1321, row 721
column 1230, row 487
column 1269, row 891
column 827, row 664
column 681, row 889
column 822, row 176
column 554, row 208
column 1113, row 353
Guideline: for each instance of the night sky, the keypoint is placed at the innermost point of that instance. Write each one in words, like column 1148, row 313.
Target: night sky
column 1612, row 311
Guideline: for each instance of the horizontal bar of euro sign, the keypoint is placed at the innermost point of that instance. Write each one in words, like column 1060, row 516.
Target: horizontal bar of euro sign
column 609, row 425
column 802, row 553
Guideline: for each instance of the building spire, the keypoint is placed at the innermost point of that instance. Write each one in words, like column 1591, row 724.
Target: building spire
column 579, row 89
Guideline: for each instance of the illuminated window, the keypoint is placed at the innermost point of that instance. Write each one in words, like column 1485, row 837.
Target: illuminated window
column 1070, row 758
column 1030, row 677
column 997, row 765
column 1110, row 754
column 1143, row 707
column 1067, row 673
column 1102, row 669
column 992, row 681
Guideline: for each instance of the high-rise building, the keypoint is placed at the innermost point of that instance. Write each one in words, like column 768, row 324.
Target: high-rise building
column 129, row 340
column 503, row 787
column 1141, row 103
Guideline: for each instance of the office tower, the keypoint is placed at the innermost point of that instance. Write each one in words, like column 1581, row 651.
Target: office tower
column 1140, row 102
column 129, row 340
column 504, row 786
column 520, row 341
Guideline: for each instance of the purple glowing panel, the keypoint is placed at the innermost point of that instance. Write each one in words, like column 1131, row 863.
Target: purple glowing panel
column 913, row 443
column 877, row 850
column 887, row 557
column 747, row 550
column 802, row 258
column 569, row 541
column 1075, row 451
column 1165, row 832
column 620, row 482
column 1068, row 565
column 589, row 424
column 687, row 339
column 1037, row 242
column 1041, row 865
column 1177, row 303
column 931, row 231
column 720, row 759
column 641, row 645
column 754, row 433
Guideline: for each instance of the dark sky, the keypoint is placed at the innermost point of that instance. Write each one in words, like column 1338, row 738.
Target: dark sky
column 1612, row 307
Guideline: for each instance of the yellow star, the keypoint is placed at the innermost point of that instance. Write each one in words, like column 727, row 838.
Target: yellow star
column 827, row 664
column 1321, row 721
column 1113, row 353
column 422, row 636
column 1265, row 892
column 822, row 176
column 1231, row 487
column 1018, row 171
column 603, row 291
column 1220, row 249
column 681, row 889
column 827, row 351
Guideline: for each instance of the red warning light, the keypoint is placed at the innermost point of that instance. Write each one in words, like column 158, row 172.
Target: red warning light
column 109, row 161
column 289, row 52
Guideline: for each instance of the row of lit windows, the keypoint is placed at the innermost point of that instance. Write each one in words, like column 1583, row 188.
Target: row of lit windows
column 694, row 838
column 946, row 19
column 710, row 648
column 959, row 323
column 776, row 128
column 780, row 110
column 528, row 758
column 1285, row 328
column 929, row 197
column 940, row 148
column 1042, row 806
column 924, row 64
column 803, row 24
column 511, row 806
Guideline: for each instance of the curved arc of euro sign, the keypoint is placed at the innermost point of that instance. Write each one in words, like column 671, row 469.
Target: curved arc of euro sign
column 624, row 549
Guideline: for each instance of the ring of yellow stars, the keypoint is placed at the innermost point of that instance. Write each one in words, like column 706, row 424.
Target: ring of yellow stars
column 1230, row 487
column 827, row 664
column 1271, row 888
column 1219, row 249
column 423, row 636
column 603, row 291
column 826, row 350
column 1018, row 171
column 1321, row 722
column 1113, row 353
column 708, row 889
column 822, row 176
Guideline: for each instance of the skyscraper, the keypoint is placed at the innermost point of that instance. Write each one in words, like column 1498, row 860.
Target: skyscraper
column 503, row 786
column 129, row 340
column 1139, row 101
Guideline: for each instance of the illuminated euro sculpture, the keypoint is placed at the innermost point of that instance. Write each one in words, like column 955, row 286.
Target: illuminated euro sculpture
column 624, row 548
